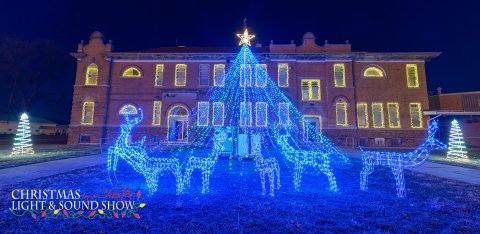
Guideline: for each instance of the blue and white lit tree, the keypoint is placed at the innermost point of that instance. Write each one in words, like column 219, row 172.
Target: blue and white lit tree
column 456, row 144
column 23, row 140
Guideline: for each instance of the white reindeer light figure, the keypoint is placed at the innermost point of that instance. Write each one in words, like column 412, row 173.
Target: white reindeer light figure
column 398, row 161
column 266, row 167
column 301, row 158
column 136, row 156
column 205, row 164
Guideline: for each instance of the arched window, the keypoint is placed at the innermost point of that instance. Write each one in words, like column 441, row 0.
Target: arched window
column 131, row 72
column 129, row 109
column 373, row 71
column 88, row 107
column 91, row 75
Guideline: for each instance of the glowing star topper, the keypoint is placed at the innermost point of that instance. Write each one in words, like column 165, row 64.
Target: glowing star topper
column 245, row 38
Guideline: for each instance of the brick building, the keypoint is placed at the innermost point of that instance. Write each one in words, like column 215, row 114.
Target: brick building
column 465, row 107
column 368, row 98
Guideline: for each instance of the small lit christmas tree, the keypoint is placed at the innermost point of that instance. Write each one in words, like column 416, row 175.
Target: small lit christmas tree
column 23, row 141
column 456, row 144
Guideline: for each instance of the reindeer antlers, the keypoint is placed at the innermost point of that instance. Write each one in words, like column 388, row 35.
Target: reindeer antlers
column 135, row 120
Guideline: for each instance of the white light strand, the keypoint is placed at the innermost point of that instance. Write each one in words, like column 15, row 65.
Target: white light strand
column 456, row 144
column 23, row 139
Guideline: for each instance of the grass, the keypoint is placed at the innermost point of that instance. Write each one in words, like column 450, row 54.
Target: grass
column 45, row 153
column 235, row 204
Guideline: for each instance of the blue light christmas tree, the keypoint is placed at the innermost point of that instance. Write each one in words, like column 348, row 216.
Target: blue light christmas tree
column 23, row 139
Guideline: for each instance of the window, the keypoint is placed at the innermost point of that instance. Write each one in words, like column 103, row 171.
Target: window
column 261, row 114
column 128, row 109
column 377, row 115
column 341, row 113
column 311, row 90
column 416, row 115
column 181, row 75
column 393, row 115
column 283, row 113
column 157, row 113
column 339, row 74
column 84, row 139
column 219, row 75
column 204, row 74
column 245, row 75
column 87, row 113
column 380, row 141
column 245, row 114
column 373, row 72
column 283, row 74
column 261, row 75
column 159, row 74
column 202, row 113
column 132, row 72
column 218, row 114
column 91, row 76
column 362, row 115
column 412, row 75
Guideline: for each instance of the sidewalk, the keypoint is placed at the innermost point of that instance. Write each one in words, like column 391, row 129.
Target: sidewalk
column 14, row 175
column 463, row 174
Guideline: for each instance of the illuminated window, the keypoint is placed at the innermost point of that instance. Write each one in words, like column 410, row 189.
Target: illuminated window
column 283, row 113
column 128, row 109
column 261, row 114
column 245, row 75
column 377, row 115
column 311, row 90
column 393, row 115
column 312, row 124
column 416, row 115
column 341, row 113
column 203, row 74
column 283, row 74
column 91, row 76
column 181, row 75
column 131, row 72
column 157, row 113
column 159, row 74
column 245, row 114
column 412, row 75
column 339, row 74
column 373, row 72
column 219, row 75
column 261, row 75
column 218, row 114
column 202, row 113
column 362, row 115
column 87, row 113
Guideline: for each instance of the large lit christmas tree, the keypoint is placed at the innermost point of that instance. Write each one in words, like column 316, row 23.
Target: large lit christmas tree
column 456, row 144
column 23, row 141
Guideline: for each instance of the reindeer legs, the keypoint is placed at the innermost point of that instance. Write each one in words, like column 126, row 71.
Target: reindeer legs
column 297, row 175
column 325, row 169
column 366, row 171
column 400, row 181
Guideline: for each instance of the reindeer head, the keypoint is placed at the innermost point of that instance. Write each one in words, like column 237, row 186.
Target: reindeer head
column 432, row 142
column 129, row 123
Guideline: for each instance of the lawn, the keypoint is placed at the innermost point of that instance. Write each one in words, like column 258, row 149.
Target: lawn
column 45, row 153
column 235, row 204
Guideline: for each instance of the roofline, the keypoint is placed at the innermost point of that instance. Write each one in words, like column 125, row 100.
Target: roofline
column 459, row 93
column 456, row 113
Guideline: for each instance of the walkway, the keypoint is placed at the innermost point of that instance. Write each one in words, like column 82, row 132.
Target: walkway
column 463, row 174
column 18, row 174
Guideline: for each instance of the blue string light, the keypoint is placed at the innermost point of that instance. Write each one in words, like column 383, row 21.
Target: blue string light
column 397, row 161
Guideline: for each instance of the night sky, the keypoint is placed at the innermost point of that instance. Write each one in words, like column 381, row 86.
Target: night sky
column 386, row 26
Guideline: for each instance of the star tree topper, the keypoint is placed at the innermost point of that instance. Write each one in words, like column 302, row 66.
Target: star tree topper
column 245, row 38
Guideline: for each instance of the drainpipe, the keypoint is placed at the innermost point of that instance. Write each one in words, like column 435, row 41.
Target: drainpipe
column 107, row 101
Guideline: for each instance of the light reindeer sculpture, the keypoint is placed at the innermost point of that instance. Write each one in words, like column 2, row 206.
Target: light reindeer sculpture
column 301, row 158
column 398, row 161
column 205, row 164
column 266, row 167
column 136, row 156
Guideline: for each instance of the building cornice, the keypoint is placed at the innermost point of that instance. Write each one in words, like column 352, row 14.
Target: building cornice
column 324, row 56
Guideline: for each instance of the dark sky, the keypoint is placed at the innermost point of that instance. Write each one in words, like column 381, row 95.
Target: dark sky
column 409, row 25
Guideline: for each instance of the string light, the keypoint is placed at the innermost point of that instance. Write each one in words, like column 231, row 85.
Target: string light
column 398, row 161
column 456, row 144
column 266, row 167
column 23, row 139
column 136, row 156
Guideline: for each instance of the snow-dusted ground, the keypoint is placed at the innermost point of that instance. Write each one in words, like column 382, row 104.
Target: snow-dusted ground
column 235, row 204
